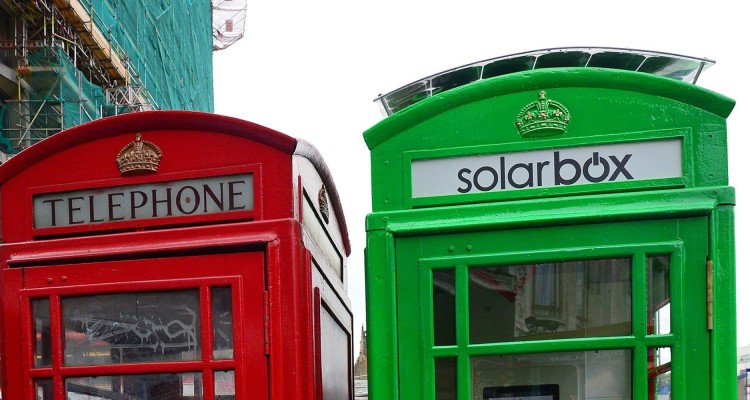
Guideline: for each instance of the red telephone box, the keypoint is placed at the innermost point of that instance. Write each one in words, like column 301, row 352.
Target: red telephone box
column 173, row 255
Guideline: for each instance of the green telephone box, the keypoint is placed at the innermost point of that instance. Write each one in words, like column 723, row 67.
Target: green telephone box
column 552, row 225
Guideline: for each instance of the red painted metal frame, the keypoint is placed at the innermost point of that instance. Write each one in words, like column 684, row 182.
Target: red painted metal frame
column 317, row 331
column 169, row 275
column 86, row 155
column 83, row 158
column 72, row 264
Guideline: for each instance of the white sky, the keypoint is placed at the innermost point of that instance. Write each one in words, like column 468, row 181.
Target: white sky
column 312, row 69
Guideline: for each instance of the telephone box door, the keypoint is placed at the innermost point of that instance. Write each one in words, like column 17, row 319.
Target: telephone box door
column 607, row 310
column 163, row 328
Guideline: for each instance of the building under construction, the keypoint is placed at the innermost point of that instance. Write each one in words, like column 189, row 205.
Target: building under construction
column 66, row 62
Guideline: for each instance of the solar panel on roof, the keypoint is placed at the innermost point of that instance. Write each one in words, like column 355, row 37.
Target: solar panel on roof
column 683, row 68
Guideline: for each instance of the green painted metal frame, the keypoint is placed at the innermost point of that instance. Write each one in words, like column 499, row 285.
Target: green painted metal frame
column 416, row 333
column 612, row 107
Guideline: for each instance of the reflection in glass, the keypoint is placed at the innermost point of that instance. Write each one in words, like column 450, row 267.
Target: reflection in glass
column 444, row 306
column 43, row 389
column 131, row 327
column 660, row 372
column 550, row 300
column 141, row 387
column 224, row 385
column 221, row 305
column 42, row 338
column 445, row 379
column 604, row 374
column 674, row 66
column 658, row 295
column 334, row 358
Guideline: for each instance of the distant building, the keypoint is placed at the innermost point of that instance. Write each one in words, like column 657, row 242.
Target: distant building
column 743, row 381
column 360, row 369
column 743, row 358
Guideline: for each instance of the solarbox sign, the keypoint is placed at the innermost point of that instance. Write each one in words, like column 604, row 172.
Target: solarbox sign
column 547, row 168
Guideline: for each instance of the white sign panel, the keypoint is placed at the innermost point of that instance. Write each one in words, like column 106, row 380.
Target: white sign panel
column 199, row 196
column 547, row 168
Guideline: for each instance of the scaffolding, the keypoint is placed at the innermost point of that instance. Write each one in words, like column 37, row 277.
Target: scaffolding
column 78, row 60
column 69, row 72
column 57, row 97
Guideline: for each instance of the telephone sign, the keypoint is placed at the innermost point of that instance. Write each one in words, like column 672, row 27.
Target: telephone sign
column 209, row 195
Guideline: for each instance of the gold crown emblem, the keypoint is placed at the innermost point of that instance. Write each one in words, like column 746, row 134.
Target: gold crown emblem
column 543, row 118
column 323, row 204
column 138, row 157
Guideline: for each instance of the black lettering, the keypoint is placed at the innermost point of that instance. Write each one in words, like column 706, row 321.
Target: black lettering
column 71, row 209
column 111, row 205
column 539, row 167
column 92, row 216
column 494, row 178
column 559, row 180
column 207, row 192
column 136, row 205
column 620, row 167
column 529, row 175
column 233, row 194
column 502, row 173
column 53, row 209
column 155, row 203
column 462, row 177
column 196, row 203
column 595, row 160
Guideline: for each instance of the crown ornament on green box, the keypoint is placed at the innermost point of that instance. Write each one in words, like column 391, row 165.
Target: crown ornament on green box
column 543, row 117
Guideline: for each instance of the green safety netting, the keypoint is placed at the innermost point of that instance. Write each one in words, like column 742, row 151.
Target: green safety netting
column 58, row 97
column 169, row 45
column 5, row 144
column 57, row 79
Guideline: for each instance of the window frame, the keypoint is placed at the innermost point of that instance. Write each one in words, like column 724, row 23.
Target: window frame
column 428, row 254
column 202, row 273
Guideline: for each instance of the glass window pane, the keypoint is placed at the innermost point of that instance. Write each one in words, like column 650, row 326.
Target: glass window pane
column 660, row 373
column 224, row 385
column 131, row 327
column 43, row 389
column 604, row 374
column 550, row 300
column 658, row 295
column 445, row 379
column 142, row 387
column 444, row 306
column 223, row 327
column 334, row 356
column 42, row 338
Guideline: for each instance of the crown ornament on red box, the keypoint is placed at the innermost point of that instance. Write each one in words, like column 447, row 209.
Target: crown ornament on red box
column 543, row 117
column 138, row 157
